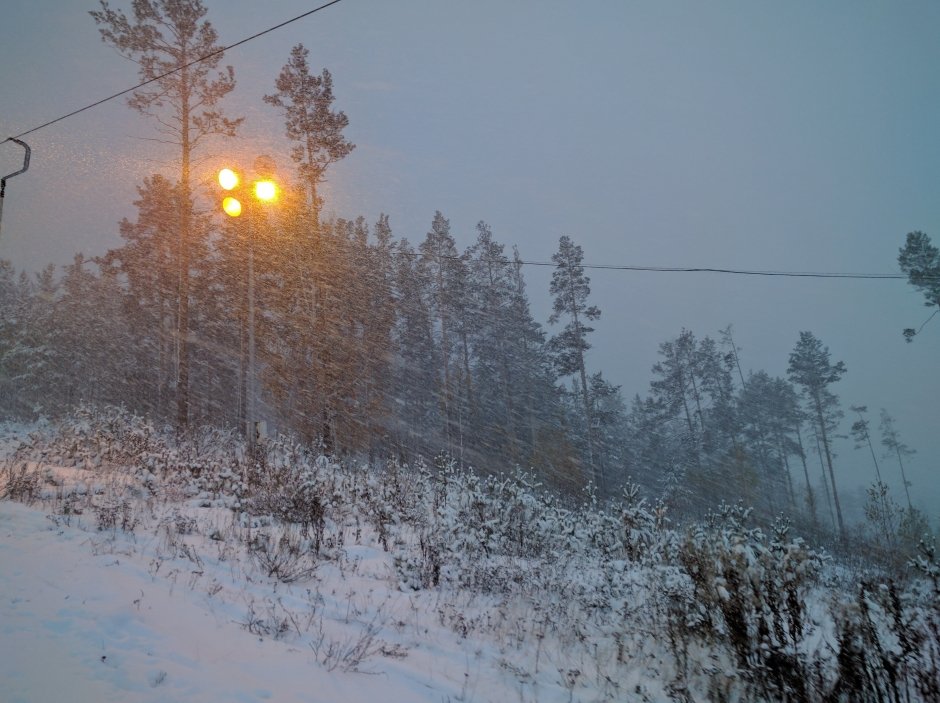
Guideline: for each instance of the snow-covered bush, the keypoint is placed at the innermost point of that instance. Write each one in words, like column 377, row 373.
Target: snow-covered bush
column 718, row 610
column 750, row 592
column 284, row 554
column 19, row 481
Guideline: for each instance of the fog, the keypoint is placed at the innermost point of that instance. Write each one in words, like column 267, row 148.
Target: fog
column 797, row 137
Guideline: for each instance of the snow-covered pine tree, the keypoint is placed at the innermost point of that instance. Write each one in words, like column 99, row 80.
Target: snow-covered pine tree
column 164, row 38
column 570, row 288
column 306, row 101
column 443, row 272
column 810, row 368
column 920, row 260
column 415, row 381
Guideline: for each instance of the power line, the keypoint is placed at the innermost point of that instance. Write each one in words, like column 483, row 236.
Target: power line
column 738, row 272
column 612, row 267
column 678, row 269
column 217, row 52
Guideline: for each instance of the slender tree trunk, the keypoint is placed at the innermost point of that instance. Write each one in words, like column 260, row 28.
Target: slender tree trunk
column 810, row 498
column 588, row 414
column 445, row 352
column 466, row 370
column 698, row 400
column 312, row 180
column 820, row 418
column 907, row 491
column 884, row 498
column 737, row 362
column 786, row 471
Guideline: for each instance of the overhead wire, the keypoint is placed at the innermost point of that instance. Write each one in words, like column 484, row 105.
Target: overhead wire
column 612, row 267
column 679, row 269
column 210, row 55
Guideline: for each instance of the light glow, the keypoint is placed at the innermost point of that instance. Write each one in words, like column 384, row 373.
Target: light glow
column 228, row 179
column 232, row 207
column 265, row 190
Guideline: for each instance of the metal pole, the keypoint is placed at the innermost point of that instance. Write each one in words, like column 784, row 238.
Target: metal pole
column 250, row 400
column 3, row 181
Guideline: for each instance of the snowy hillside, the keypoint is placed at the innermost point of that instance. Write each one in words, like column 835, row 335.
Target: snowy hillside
column 135, row 568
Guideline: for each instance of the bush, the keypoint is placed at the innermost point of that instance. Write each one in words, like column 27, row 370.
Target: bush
column 19, row 482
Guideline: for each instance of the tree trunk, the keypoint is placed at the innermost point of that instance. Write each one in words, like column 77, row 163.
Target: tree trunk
column 810, row 498
column 820, row 417
column 907, row 491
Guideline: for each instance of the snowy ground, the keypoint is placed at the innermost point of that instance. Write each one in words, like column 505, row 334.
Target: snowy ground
column 83, row 619
column 174, row 610
column 134, row 567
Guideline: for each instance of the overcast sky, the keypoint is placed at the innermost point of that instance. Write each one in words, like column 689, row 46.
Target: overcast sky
column 797, row 136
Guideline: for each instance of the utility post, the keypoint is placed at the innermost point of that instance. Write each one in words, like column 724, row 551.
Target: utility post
column 3, row 181
column 264, row 190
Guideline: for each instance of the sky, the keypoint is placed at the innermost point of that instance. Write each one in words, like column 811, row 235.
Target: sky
column 796, row 136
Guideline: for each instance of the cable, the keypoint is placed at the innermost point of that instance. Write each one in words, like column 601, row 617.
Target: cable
column 175, row 70
column 659, row 269
column 677, row 269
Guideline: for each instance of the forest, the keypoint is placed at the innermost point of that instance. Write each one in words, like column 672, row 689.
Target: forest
column 361, row 343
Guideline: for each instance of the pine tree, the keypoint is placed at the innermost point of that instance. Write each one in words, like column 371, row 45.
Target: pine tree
column 920, row 260
column 148, row 265
column 534, row 377
column 609, row 431
column 13, row 291
column 811, row 369
column 862, row 439
column 92, row 338
column 786, row 425
column 415, row 378
column 571, row 288
column 379, row 322
column 444, row 272
column 306, row 101
column 321, row 299
column 759, row 408
column 891, row 439
column 31, row 362
column 488, row 319
column 165, row 38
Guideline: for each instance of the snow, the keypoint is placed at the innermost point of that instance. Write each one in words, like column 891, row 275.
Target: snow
column 112, row 616
column 83, row 617
column 133, row 570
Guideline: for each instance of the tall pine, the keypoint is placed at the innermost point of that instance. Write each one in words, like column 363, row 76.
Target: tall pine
column 165, row 38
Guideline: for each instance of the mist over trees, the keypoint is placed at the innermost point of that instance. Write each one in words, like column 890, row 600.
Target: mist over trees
column 375, row 344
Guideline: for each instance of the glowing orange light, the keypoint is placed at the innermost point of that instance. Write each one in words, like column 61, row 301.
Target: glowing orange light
column 265, row 190
column 232, row 207
column 228, row 179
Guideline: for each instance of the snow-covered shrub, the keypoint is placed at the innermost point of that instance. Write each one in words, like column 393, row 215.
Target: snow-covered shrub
column 283, row 554
column 91, row 437
column 751, row 591
column 888, row 646
column 113, row 513
column 18, row 481
column 291, row 487
column 889, row 637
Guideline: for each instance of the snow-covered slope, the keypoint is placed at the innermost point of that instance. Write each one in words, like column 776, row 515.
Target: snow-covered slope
column 137, row 568
column 82, row 618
